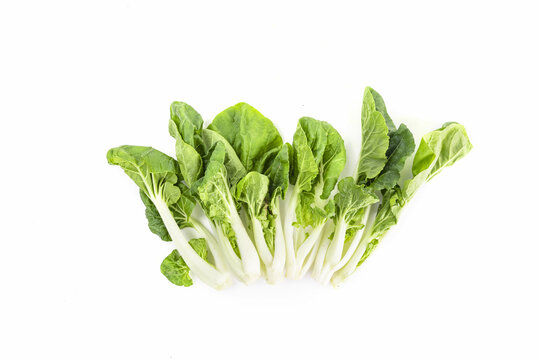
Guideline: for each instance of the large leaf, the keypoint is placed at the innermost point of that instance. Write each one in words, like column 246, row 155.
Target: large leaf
column 438, row 149
column 252, row 191
column 305, row 167
column 278, row 173
column 189, row 162
column 154, row 172
column 235, row 168
column 333, row 161
column 380, row 106
column 185, row 122
column 375, row 140
column 254, row 137
column 213, row 188
column 401, row 146
column 352, row 199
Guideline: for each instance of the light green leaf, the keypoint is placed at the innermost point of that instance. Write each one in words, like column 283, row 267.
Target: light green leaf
column 189, row 161
column 154, row 172
column 213, row 188
column 438, row 149
column 351, row 200
column 252, row 191
column 278, row 173
column 308, row 149
column 254, row 137
column 309, row 214
column 333, row 161
column 175, row 269
column 185, row 122
column 200, row 247
column 380, row 106
column 375, row 140
column 235, row 168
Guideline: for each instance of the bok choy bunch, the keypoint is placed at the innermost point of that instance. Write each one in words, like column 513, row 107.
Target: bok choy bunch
column 275, row 209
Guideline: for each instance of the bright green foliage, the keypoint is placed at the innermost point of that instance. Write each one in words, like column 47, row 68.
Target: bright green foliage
column 254, row 138
column 333, row 161
column 213, row 189
column 375, row 140
column 153, row 171
column 380, row 106
column 252, row 191
column 185, row 122
column 175, row 269
column 438, row 149
column 309, row 214
column 318, row 160
column 351, row 200
column 233, row 165
column 278, row 172
column 400, row 147
column 305, row 166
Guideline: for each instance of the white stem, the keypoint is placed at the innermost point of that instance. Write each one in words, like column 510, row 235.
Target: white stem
column 350, row 267
column 260, row 242
column 275, row 272
column 357, row 240
column 213, row 245
column 248, row 253
column 321, row 253
column 335, row 249
column 288, row 233
column 304, row 269
column 202, row 270
column 232, row 259
column 307, row 245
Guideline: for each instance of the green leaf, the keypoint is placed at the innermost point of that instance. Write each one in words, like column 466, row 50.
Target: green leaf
column 185, row 122
column 438, row 149
column 254, row 137
column 175, row 269
column 351, row 200
column 252, row 191
column 375, row 140
column 181, row 211
column 380, row 106
column 401, row 146
column 189, row 161
column 305, row 167
column 155, row 223
column 154, row 172
column 278, row 173
column 200, row 247
column 213, row 188
column 333, row 162
column 309, row 214
column 235, row 168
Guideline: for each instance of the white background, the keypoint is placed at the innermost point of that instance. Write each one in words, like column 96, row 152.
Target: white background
column 457, row 278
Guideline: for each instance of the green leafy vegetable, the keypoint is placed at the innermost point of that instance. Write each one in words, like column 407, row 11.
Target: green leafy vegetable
column 271, row 208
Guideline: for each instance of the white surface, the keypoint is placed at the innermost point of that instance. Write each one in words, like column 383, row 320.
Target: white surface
column 457, row 278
